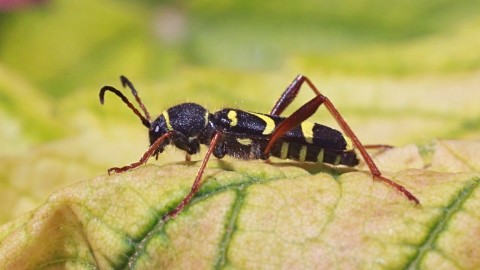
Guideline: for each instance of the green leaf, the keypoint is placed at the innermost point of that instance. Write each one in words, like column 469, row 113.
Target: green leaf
column 259, row 215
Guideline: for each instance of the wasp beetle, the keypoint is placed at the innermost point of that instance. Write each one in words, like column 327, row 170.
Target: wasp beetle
column 249, row 135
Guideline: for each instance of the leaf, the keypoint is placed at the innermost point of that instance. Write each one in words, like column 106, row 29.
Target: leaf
column 456, row 156
column 55, row 57
column 256, row 215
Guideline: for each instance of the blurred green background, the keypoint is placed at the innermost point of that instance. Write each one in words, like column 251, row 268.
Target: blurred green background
column 402, row 71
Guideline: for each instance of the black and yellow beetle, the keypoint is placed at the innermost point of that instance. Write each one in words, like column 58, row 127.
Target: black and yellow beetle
column 249, row 135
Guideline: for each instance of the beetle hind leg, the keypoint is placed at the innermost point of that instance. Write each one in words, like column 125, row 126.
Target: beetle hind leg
column 307, row 110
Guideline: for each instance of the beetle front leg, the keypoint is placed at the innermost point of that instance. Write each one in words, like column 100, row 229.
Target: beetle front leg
column 151, row 151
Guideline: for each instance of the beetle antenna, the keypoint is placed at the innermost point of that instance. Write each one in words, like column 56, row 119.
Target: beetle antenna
column 145, row 122
column 127, row 82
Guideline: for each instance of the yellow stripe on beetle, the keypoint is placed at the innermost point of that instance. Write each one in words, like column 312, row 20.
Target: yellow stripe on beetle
column 307, row 131
column 232, row 115
column 303, row 153
column 167, row 120
column 207, row 114
column 320, row 156
column 284, row 150
column 269, row 123
column 349, row 146
column 244, row 141
column 337, row 160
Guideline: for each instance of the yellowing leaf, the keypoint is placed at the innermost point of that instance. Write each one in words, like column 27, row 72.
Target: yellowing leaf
column 456, row 156
column 54, row 58
column 257, row 215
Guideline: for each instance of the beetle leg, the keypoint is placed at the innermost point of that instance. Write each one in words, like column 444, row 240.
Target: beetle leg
column 307, row 110
column 151, row 151
column 196, row 183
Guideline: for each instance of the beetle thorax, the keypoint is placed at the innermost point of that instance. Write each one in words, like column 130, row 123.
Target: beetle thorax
column 186, row 118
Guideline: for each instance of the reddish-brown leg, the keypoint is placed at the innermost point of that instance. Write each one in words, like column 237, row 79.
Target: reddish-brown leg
column 145, row 156
column 288, row 96
column 378, row 146
column 295, row 119
column 196, row 183
column 308, row 110
column 291, row 93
